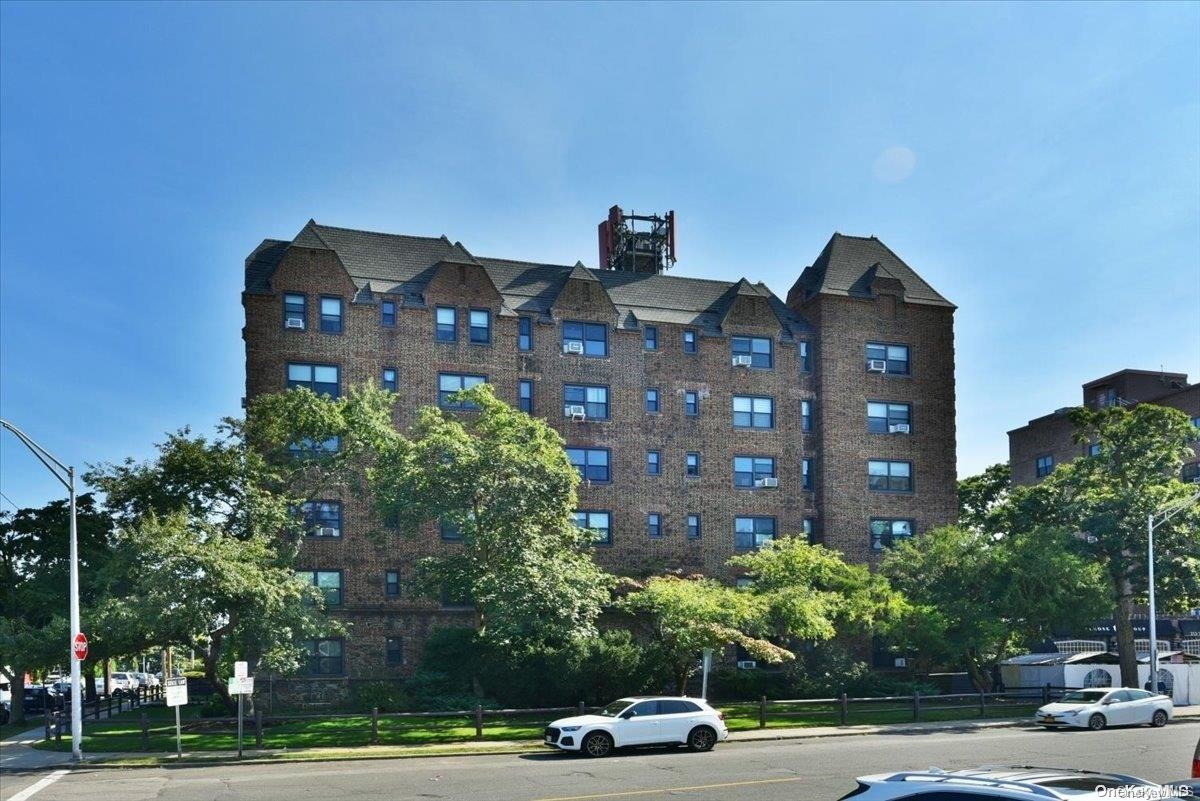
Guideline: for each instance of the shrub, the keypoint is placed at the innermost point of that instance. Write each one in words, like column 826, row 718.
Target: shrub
column 386, row 696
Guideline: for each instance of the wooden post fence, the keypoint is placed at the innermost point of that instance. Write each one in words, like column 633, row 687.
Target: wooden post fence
column 916, row 706
column 374, row 725
column 258, row 726
column 843, row 709
column 762, row 712
column 478, row 721
column 145, row 721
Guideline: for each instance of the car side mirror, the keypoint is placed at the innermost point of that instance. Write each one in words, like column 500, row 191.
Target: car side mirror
column 1106, row 702
column 626, row 715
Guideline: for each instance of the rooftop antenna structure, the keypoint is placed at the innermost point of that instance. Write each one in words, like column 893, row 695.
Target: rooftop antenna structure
column 637, row 243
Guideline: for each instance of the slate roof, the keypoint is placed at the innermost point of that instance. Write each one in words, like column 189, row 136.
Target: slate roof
column 848, row 264
column 402, row 265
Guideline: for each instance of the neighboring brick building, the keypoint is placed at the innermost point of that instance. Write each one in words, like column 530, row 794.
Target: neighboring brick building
column 1035, row 449
column 714, row 414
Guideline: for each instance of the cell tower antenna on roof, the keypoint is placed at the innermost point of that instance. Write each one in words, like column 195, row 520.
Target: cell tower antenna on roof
column 637, row 243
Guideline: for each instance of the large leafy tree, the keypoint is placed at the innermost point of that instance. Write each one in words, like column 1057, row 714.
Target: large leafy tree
column 981, row 498
column 681, row 617
column 1106, row 500
column 977, row 598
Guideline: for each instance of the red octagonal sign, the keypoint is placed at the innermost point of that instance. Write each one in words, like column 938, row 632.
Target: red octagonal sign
column 79, row 646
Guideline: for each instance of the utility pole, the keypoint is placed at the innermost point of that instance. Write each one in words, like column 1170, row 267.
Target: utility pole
column 66, row 477
column 1153, row 521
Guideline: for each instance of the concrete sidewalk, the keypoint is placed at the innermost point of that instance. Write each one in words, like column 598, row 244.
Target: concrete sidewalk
column 17, row 753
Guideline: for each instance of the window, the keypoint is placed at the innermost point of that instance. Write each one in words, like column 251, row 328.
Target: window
column 391, row 583
column 743, row 582
column 654, row 525
column 387, row 313
column 759, row 349
column 592, row 463
column 389, row 380
column 752, row 532
column 751, row 412
column 329, row 582
column 886, row 533
column 748, row 470
column 447, row 323
column 673, row 707
column 692, row 461
column 480, row 322
column 1093, row 449
column 693, row 527
column 805, row 357
column 1044, row 465
column 650, row 337
column 592, row 337
column 295, row 311
column 320, row 378
column 322, row 518
column 644, row 709
column 652, row 401
column 806, row 473
column 312, row 449
column 806, row 416
column 889, row 476
column 653, row 463
column 449, row 530
column 894, row 357
column 449, row 383
column 331, row 315
column 689, row 341
column 1190, row 473
column 810, row 531
column 525, row 396
column 324, row 657
column 691, row 404
column 1196, row 425
column 594, row 400
column 525, row 334
column 882, row 416
column 598, row 523
column 395, row 651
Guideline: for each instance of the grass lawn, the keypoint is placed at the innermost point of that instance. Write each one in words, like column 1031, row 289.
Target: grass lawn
column 9, row 729
column 123, row 732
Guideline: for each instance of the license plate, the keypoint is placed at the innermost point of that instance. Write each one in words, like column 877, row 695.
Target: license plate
column 1047, row 719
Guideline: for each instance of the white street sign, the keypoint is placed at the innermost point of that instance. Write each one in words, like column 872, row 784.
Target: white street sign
column 176, row 688
column 241, row 686
column 240, row 670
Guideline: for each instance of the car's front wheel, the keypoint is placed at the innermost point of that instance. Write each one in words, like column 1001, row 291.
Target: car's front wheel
column 597, row 744
column 1158, row 719
column 702, row 738
column 1097, row 722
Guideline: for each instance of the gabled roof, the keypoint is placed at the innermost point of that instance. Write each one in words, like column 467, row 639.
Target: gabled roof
column 849, row 264
column 403, row 265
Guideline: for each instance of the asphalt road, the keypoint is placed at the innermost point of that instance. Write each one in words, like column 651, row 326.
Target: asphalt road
column 797, row 770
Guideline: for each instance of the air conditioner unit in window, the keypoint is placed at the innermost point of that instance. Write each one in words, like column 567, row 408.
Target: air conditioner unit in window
column 293, row 322
column 573, row 347
column 327, row 532
column 746, row 664
column 898, row 428
column 742, row 361
column 901, row 662
column 576, row 412
column 876, row 365
column 770, row 481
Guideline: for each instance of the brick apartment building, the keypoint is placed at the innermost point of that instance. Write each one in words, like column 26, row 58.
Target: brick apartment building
column 1036, row 448
column 707, row 416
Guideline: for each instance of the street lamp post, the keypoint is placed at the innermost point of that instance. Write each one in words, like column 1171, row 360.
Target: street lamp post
column 1153, row 521
column 66, row 476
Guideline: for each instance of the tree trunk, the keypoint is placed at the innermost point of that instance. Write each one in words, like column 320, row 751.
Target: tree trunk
column 979, row 677
column 681, row 676
column 17, row 684
column 212, row 656
column 1123, row 620
column 90, row 679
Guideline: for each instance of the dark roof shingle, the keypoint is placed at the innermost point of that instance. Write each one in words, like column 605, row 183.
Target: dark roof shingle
column 848, row 264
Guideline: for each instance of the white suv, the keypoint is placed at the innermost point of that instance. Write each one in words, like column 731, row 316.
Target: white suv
column 992, row 782
column 122, row 684
column 640, row 720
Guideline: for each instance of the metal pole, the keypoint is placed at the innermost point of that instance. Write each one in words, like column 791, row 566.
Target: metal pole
column 240, row 697
column 1153, row 616
column 76, row 707
column 178, row 736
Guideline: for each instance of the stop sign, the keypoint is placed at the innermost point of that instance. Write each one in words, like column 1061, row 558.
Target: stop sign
column 79, row 646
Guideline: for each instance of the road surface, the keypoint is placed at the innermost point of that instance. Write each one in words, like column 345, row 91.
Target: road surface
column 796, row 770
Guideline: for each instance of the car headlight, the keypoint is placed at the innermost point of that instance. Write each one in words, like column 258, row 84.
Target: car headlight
column 571, row 728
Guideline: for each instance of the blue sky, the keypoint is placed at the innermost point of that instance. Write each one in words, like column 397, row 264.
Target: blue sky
column 1039, row 164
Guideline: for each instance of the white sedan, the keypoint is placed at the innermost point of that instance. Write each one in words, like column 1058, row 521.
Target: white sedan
column 640, row 721
column 1098, row 708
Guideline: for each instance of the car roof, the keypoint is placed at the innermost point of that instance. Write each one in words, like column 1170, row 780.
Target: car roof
column 1036, row 781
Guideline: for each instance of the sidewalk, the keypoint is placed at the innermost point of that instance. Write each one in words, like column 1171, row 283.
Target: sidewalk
column 16, row 753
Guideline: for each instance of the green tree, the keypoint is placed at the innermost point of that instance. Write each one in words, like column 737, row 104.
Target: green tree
column 982, row 497
column 977, row 598
column 681, row 617
column 1107, row 499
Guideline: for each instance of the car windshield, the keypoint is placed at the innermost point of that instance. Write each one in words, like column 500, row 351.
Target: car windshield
column 615, row 708
column 1083, row 696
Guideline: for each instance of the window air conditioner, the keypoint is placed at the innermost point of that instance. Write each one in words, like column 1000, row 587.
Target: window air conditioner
column 327, row 532
column 770, row 481
column 742, row 361
column 898, row 428
column 573, row 347
column 876, row 365
column 746, row 664
column 294, row 322
column 576, row 412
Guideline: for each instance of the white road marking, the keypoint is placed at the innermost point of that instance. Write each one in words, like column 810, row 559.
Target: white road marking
column 39, row 785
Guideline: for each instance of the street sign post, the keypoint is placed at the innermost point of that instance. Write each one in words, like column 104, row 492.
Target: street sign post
column 241, row 686
column 176, row 688
column 240, row 670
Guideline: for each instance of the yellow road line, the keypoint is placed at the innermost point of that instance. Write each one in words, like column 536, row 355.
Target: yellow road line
column 673, row 789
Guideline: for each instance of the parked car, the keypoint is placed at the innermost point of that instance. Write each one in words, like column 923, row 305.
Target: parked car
column 122, row 684
column 1099, row 708
column 36, row 700
column 639, row 721
column 993, row 782
column 151, row 679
